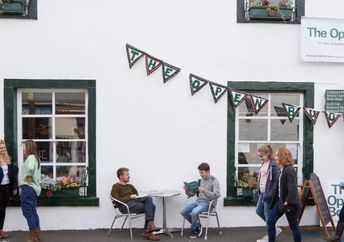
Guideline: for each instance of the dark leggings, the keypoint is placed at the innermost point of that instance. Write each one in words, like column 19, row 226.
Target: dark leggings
column 4, row 199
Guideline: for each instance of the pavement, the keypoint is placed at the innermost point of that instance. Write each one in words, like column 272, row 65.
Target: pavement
column 244, row 234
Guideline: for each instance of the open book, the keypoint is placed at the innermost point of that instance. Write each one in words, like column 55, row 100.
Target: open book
column 191, row 186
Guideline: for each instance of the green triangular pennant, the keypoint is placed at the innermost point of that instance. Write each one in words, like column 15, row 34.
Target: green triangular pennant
column 169, row 71
column 196, row 83
column 292, row 111
column 258, row 103
column 281, row 112
column 331, row 118
column 311, row 114
column 237, row 97
column 152, row 64
column 217, row 90
column 133, row 54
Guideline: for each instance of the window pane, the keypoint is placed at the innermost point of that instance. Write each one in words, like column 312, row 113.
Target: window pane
column 68, row 152
column 283, row 130
column 45, row 151
column 36, row 103
column 246, row 108
column 70, row 103
column 253, row 129
column 36, row 128
column 70, row 128
column 293, row 148
column 47, row 170
column 247, row 176
column 249, row 155
column 278, row 98
column 73, row 171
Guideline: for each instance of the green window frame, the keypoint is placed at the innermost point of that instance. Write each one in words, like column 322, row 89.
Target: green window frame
column 10, row 127
column 307, row 89
column 13, row 14
column 298, row 11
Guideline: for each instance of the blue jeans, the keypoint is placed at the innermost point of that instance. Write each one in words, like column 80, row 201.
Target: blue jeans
column 191, row 211
column 263, row 208
column 28, row 199
column 292, row 220
column 143, row 205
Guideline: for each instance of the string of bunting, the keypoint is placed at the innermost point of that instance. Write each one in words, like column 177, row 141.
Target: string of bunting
column 253, row 102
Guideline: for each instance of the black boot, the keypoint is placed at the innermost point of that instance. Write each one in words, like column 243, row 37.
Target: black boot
column 339, row 232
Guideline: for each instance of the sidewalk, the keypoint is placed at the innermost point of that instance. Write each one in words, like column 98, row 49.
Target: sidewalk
column 309, row 234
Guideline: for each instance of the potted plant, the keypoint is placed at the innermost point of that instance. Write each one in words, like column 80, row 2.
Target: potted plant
column 64, row 186
column 245, row 185
column 277, row 10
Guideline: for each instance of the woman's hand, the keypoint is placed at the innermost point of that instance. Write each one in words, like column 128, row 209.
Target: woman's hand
column 15, row 192
column 28, row 180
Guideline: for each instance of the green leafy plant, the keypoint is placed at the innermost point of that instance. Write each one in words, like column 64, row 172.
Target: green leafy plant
column 272, row 7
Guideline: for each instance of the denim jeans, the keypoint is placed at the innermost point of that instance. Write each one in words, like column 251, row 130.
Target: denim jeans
column 275, row 214
column 28, row 199
column 143, row 205
column 263, row 208
column 191, row 211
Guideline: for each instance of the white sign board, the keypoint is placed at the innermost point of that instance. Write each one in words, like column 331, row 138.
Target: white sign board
column 322, row 39
column 335, row 197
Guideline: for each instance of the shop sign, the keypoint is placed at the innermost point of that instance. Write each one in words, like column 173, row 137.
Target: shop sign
column 334, row 101
column 335, row 197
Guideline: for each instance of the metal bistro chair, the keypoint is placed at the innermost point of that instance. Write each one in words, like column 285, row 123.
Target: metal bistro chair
column 206, row 215
column 127, row 215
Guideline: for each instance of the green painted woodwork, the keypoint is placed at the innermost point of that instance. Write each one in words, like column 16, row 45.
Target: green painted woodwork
column 308, row 90
column 299, row 9
column 10, row 128
column 16, row 8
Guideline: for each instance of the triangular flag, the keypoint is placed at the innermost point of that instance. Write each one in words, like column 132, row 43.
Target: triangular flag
column 281, row 112
column 196, row 83
column 311, row 114
column 152, row 64
column 331, row 118
column 217, row 90
column 237, row 97
column 292, row 111
column 258, row 103
column 133, row 54
column 169, row 71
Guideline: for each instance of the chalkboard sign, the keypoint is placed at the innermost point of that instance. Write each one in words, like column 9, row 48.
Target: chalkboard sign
column 313, row 186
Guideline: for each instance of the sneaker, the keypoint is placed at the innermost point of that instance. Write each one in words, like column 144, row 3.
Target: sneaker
column 193, row 236
column 264, row 239
column 278, row 230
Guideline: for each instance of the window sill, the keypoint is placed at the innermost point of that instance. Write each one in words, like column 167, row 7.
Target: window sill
column 61, row 201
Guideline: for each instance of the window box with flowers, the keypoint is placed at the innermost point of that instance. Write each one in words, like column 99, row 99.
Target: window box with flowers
column 245, row 185
column 271, row 10
column 61, row 186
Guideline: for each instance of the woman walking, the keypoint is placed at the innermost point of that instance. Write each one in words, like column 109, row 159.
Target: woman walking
column 340, row 225
column 8, row 184
column 289, row 200
column 30, row 188
column 267, row 185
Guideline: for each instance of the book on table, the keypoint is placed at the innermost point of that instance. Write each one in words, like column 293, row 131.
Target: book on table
column 191, row 186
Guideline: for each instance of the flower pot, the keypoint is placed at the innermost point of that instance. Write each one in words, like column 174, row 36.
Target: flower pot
column 262, row 13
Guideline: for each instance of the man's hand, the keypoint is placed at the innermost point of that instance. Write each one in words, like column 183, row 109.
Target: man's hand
column 133, row 196
column 201, row 189
column 28, row 180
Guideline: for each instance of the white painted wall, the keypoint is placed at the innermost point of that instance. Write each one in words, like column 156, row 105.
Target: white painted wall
column 159, row 131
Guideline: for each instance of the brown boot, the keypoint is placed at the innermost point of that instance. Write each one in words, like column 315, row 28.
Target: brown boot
column 3, row 235
column 32, row 237
column 151, row 236
column 37, row 232
column 151, row 226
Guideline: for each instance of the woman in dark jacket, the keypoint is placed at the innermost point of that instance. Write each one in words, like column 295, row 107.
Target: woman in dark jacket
column 289, row 200
column 8, row 184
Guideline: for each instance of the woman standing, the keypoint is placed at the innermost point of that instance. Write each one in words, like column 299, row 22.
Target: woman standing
column 340, row 225
column 267, row 185
column 30, row 188
column 8, row 184
column 289, row 200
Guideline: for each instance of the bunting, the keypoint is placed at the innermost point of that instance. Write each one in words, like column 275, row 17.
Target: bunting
column 281, row 112
column 152, row 64
column 258, row 103
column 169, row 71
column 331, row 118
column 217, row 90
column 133, row 54
column 311, row 114
column 196, row 83
column 292, row 111
column 237, row 97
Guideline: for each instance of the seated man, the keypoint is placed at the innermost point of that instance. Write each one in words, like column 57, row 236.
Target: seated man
column 128, row 194
column 209, row 189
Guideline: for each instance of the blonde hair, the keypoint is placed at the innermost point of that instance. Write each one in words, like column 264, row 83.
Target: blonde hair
column 284, row 157
column 266, row 149
column 5, row 158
